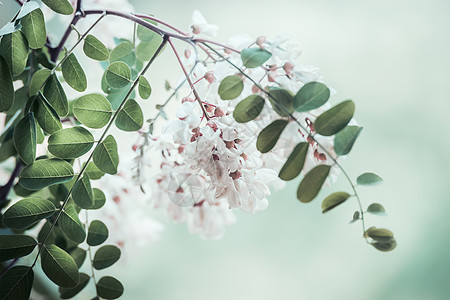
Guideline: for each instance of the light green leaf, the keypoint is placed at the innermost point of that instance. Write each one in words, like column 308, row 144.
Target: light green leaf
column 282, row 101
column 56, row 97
column 230, row 87
column 130, row 117
column 105, row 155
column 93, row 172
column 45, row 172
column 144, row 88
column 379, row 234
column 95, row 49
column 78, row 255
column 118, row 75
column 73, row 73
column 248, row 109
column 16, row 283
column 145, row 34
column 67, row 293
column 27, row 212
column 60, row 6
column 311, row 96
column 312, row 183
column 14, row 48
column 46, row 116
column 295, row 162
column 97, row 233
column 33, row 27
column 71, row 225
column 15, row 246
column 254, row 57
column 99, row 199
column 109, row 288
column 376, row 209
column 146, row 50
column 335, row 119
column 25, row 138
column 37, row 80
column 344, row 139
column 106, row 256
column 269, row 136
column 334, row 200
column 7, row 87
column 123, row 52
column 70, row 142
column 369, row 179
column 82, row 193
column 93, row 110
column 59, row 266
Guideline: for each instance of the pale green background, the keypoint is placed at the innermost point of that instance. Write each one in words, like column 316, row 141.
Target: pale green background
column 393, row 59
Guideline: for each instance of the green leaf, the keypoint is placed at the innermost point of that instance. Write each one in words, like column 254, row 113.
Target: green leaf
column 67, row 293
column 56, row 97
column 78, row 255
column 27, row 212
column 335, row 119
column 109, row 288
column 144, row 88
column 269, row 136
column 376, row 209
column 311, row 96
column 334, row 200
column 118, row 75
column 59, row 266
column 60, row 6
column 106, row 256
column 231, row 87
column 93, row 172
column 73, row 73
column 71, row 225
column 33, row 27
column 14, row 48
column 15, row 246
column 385, row 246
column 70, row 142
column 254, row 57
column 312, row 183
column 282, row 101
column 46, row 116
column 93, row 110
column 146, row 50
column 130, row 117
column 294, row 163
column 45, row 172
column 97, row 233
column 105, row 155
column 369, row 179
column 248, row 109
column 379, row 234
column 16, row 283
column 123, row 52
column 99, row 199
column 344, row 139
column 82, row 193
column 25, row 139
column 59, row 192
column 145, row 34
column 37, row 80
column 7, row 90
column 95, row 49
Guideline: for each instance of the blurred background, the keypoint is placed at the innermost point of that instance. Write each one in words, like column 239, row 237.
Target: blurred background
column 393, row 59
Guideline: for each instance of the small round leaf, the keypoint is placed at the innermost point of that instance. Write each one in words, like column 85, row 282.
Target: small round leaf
column 67, row 293
column 312, row 183
column 70, row 142
column 369, row 179
column 269, row 136
column 118, row 75
column 334, row 200
column 335, row 119
column 144, row 88
column 311, row 96
column 95, row 49
column 248, row 109
column 294, row 163
column 106, row 256
column 254, row 57
column 25, row 138
column 105, row 155
column 109, row 288
column 97, row 233
column 45, row 172
column 59, row 266
column 73, row 73
column 230, row 87
column 93, row 110
column 130, row 117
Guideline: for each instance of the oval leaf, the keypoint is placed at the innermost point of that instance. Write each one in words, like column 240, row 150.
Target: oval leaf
column 6, row 82
column 56, row 97
column 144, row 88
column 123, row 52
column 295, row 162
column 27, row 212
column 130, row 117
column 230, row 87
column 60, row 6
column 78, row 255
column 33, row 27
column 95, row 49
column 73, row 73
column 70, row 142
column 379, row 234
column 59, row 266
column 385, row 246
column 45, row 172
column 99, row 199
column 369, row 179
column 14, row 49
column 82, row 193
column 37, row 80
column 312, row 183
column 67, row 293
column 335, row 119
column 254, row 57
column 106, row 256
column 71, row 225
column 248, row 109
column 311, row 96
column 282, row 101
column 334, row 200
column 16, row 283
column 344, row 139
column 46, row 116
column 15, row 246
column 376, row 209
column 93, row 110
column 269, row 136
column 105, row 155
column 25, row 138
column 97, row 233
column 118, row 75
column 109, row 288
column 93, row 172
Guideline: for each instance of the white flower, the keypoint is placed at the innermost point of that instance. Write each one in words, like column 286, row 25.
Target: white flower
column 200, row 26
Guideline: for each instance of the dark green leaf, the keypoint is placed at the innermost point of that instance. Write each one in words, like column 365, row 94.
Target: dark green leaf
column 82, row 193
column 376, row 209
column 59, row 191
column 123, row 52
column 46, row 116
column 369, row 179
column 109, row 288
column 67, row 293
column 311, row 96
column 105, row 155
column 93, row 172
column 379, row 234
column 282, row 101
column 99, row 199
column 95, row 49
column 355, row 217
column 73, row 73
column 38, row 80
column 118, row 75
column 269, row 136
column 60, row 6
column 385, row 246
column 16, row 283
column 248, row 109
column 254, row 57
column 106, row 256
column 312, row 183
column 230, row 87
column 334, row 200
column 45, row 172
column 15, row 246
column 130, row 117
column 14, row 48
column 27, row 212
column 25, row 139
column 335, row 119
column 78, row 255
column 56, row 97
column 144, row 88
column 70, row 142
column 97, row 233
column 295, row 162
column 7, row 87
column 71, row 225
column 59, row 266
column 33, row 27
column 93, row 110
column 344, row 139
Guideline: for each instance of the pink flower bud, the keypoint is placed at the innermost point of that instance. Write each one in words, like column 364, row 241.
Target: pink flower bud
column 218, row 112
column 229, row 144
column 135, row 147
column 212, row 124
column 260, row 41
column 235, row 175
column 187, row 53
column 288, row 67
column 255, row 89
column 272, row 76
column 227, row 51
column 196, row 29
column 208, row 108
column 209, row 76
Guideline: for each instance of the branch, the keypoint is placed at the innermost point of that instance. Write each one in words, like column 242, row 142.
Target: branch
column 4, row 190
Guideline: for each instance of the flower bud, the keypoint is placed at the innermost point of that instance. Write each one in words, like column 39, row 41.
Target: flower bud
column 209, row 76
column 288, row 67
column 187, row 53
column 218, row 112
column 260, row 41
column 196, row 29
